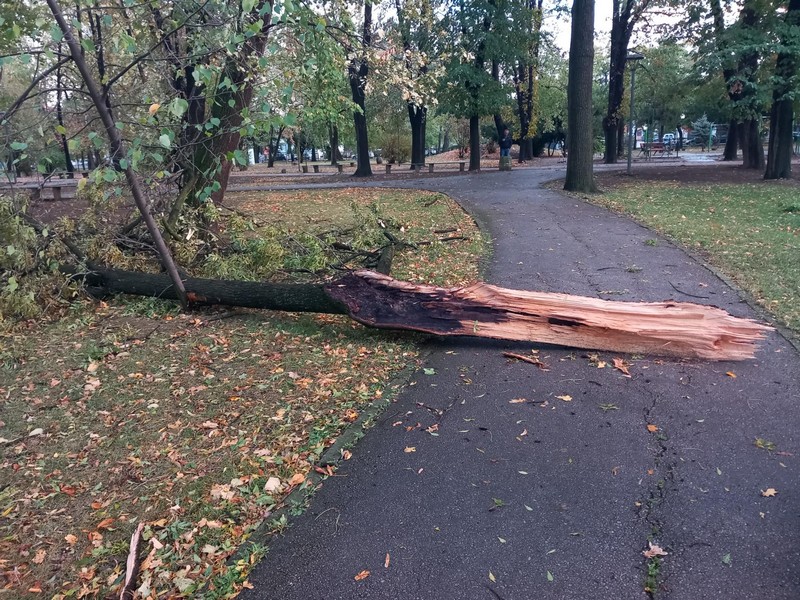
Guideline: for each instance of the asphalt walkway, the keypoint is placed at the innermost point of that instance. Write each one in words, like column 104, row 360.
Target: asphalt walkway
column 528, row 484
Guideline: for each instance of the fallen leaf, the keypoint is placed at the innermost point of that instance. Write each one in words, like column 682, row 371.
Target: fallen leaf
column 347, row 455
column 153, row 108
column 209, row 425
column 71, row 539
column 36, row 588
column 502, row 541
column 549, row 576
column 492, row 578
column 97, row 505
column 40, row 555
column 386, row 562
column 527, row 507
column 297, row 479
column 731, row 374
column 273, row 485
column 429, row 371
column 363, row 575
column 410, row 449
column 653, row 551
column 726, row 559
column 35, row 432
column 93, row 366
column 652, row 428
column 105, row 523
column 522, row 472
column 769, row 492
column 517, row 401
column 565, row 398
column 622, row 366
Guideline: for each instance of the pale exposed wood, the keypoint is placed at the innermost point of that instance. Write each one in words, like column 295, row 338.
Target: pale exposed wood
column 655, row 328
column 665, row 328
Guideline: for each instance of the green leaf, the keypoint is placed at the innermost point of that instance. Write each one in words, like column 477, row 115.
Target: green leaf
column 178, row 107
column 11, row 250
column 61, row 129
column 727, row 560
column 56, row 33
column 12, row 284
column 123, row 163
column 429, row 371
column 248, row 5
column 549, row 576
column 164, row 140
column 18, row 145
column 87, row 44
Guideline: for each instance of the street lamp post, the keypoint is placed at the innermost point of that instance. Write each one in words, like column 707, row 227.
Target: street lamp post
column 633, row 58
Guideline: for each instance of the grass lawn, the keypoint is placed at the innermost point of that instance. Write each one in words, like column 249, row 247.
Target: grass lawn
column 197, row 425
column 749, row 230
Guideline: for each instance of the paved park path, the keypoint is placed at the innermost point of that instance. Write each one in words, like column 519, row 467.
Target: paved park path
column 549, row 498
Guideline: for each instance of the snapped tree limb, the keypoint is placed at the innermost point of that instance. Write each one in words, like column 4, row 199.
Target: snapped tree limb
column 667, row 328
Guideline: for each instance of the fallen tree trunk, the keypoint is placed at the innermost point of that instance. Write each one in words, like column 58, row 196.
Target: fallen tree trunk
column 665, row 328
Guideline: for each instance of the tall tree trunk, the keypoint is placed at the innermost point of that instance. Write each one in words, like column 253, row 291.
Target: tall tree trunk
column 580, row 144
column 732, row 143
column 625, row 15
column 333, row 135
column 752, row 148
column 60, row 117
column 358, row 69
column 475, row 143
column 779, row 156
column 417, row 117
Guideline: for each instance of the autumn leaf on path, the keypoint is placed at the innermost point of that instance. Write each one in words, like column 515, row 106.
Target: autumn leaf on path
column 492, row 578
column 386, row 562
column 363, row 575
column 653, row 551
column 517, row 401
column 565, row 398
column 410, row 449
column 769, row 492
column 731, row 374
column 652, row 428
column 623, row 366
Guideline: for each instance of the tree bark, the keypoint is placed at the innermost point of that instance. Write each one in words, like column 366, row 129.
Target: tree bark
column 732, row 143
column 480, row 310
column 779, row 155
column 580, row 143
column 60, row 118
column 358, row 69
column 417, row 117
column 475, row 143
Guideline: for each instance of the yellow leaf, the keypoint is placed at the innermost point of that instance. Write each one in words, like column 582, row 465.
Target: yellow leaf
column 731, row 374
column 652, row 428
column 565, row 398
column 71, row 539
column 410, row 449
column 363, row 575
column 769, row 492
column 297, row 479
column 154, row 108
column 517, row 401
column 492, row 577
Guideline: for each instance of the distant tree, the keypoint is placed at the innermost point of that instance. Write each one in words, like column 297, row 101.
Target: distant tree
column 779, row 155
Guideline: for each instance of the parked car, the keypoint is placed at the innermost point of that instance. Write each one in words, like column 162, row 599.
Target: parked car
column 668, row 138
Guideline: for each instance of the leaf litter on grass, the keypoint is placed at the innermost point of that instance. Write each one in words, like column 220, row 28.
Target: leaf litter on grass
column 196, row 428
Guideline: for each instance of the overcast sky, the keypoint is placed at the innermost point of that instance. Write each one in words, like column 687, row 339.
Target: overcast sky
column 602, row 24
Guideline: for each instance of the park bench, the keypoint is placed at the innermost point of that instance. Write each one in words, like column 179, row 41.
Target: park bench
column 418, row 166
column 655, row 149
